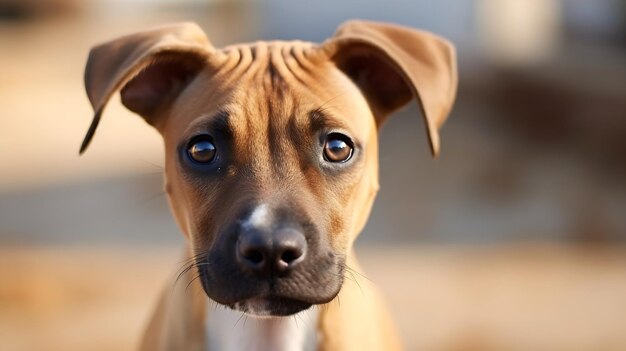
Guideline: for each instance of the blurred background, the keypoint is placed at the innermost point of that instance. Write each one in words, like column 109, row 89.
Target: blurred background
column 513, row 239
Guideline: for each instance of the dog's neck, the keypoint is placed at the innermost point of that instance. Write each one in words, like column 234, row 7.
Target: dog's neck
column 229, row 330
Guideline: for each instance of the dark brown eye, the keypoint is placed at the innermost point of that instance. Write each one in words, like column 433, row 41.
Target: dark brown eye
column 201, row 149
column 338, row 148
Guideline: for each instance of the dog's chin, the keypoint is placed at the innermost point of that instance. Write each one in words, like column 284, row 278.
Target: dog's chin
column 267, row 307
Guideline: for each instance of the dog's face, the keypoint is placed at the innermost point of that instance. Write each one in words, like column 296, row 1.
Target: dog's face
column 271, row 149
column 268, row 155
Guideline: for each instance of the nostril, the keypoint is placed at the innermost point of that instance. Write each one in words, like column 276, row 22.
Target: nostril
column 252, row 252
column 290, row 250
column 254, row 256
column 290, row 255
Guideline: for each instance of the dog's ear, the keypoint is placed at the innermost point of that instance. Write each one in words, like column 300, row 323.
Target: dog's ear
column 392, row 64
column 150, row 68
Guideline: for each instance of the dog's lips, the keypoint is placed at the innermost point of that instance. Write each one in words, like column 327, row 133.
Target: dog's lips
column 270, row 306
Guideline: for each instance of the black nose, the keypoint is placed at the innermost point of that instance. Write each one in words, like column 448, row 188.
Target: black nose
column 270, row 252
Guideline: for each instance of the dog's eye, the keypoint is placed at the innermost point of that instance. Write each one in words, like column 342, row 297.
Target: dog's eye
column 338, row 148
column 201, row 149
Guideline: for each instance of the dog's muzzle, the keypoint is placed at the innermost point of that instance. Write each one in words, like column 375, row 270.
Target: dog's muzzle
column 278, row 268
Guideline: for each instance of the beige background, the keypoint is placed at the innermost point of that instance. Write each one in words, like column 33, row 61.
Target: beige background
column 512, row 240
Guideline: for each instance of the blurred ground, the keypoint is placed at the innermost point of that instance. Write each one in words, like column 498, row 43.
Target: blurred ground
column 462, row 299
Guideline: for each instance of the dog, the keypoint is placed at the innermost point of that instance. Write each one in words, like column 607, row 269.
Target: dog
column 271, row 169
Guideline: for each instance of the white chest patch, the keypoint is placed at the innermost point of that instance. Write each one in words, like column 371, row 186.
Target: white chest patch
column 229, row 330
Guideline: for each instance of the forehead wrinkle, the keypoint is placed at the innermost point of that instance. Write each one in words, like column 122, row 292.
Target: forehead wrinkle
column 230, row 63
column 310, row 71
column 288, row 66
column 303, row 55
column 258, row 67
column 245, row 61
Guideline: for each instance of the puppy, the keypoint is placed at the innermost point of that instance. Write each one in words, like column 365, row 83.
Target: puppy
column 271, row 169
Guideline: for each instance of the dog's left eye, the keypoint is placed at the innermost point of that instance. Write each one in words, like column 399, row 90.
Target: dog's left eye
column 338, row 148
column 201, row 149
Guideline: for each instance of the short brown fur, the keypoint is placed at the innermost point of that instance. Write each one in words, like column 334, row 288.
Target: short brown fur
column 271, row 101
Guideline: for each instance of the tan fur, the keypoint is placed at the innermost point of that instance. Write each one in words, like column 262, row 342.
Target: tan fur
column 273, row 93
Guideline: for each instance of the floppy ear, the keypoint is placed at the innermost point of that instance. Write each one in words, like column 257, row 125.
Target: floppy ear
column 151, row 68
column 393, row 64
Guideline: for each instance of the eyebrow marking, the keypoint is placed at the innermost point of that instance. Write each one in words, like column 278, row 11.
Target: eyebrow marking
column 320, row 119
column 219, row 123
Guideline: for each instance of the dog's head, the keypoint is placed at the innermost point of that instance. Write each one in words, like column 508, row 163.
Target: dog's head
column 271, row 147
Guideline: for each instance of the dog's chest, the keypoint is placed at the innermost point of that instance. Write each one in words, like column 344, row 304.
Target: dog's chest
column 229, row 330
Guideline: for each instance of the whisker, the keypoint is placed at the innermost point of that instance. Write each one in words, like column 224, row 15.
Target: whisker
column 194, row 257
column 357, row 272
column 189, row 265
column 304, row 321
column 191, row 281
column 192, row 260
column 153, row 164
column 240, row 317
column 357, row 282
column 184, row 271
column 153, row 197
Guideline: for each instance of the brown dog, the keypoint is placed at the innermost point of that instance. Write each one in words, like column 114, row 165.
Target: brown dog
column 271, row 169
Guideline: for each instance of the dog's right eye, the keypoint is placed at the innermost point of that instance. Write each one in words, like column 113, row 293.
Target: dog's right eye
column 201, row 149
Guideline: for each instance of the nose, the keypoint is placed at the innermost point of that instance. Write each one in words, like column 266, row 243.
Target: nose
column 270, row 252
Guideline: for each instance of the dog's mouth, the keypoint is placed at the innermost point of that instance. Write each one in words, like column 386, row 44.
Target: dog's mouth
column 270, row 306
column 274, row 291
